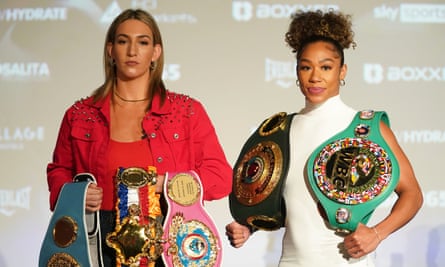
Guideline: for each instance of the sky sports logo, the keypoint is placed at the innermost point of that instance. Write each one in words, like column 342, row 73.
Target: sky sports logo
column 375, row 73
column 246, row 11
column 412, row 13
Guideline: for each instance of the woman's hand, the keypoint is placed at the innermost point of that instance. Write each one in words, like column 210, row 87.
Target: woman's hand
column 361, row 242
column 237, row 234
column 93, row 199
column 160, row 183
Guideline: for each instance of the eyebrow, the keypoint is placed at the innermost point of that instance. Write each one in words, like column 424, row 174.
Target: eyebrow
column 138, row 36
column 321, row 61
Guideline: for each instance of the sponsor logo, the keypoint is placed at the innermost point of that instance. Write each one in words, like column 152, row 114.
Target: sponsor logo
column 412, row 13
column 246, row 10
column 34, row 14
column 110, row 13
column 374, row 73
column 24, row 70
column 280, row 72
column 11, row 200
column 434, row 199
column 114, row 9
column 15, row 138
column 144, row 4
column 171, row 72
column 421, row 136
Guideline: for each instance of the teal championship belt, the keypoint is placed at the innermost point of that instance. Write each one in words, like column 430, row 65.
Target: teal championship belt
column 353, row 172
column 73, row 236
column 259, row 175
column 192, row 238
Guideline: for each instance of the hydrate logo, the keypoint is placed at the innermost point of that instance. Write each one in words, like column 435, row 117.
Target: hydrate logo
column 34, row 14
column 421, row 136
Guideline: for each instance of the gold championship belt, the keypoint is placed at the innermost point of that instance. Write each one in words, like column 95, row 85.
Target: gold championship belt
column 259, row 174
column 137, row 238
column 353, row 172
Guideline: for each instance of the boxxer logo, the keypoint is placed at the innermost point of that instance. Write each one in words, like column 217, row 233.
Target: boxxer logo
column 373, row 73
column 245, row 10
column 242, row 10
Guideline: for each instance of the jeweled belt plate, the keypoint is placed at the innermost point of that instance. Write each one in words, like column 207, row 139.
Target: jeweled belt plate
column 353, row 172
column 137, row 238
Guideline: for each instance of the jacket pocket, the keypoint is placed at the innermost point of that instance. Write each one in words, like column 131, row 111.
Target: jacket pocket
column 179, row 143
column 83, row 134
column 175, row 135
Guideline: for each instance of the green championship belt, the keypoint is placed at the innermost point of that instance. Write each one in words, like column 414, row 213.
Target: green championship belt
column 353, row 172
column 259, row 174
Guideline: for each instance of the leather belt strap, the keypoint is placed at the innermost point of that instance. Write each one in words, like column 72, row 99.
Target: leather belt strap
column 191, row 235
column 260, row 173
column 73, row 236
column 353, row 172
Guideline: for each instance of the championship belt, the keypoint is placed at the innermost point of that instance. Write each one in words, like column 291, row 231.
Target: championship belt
column 259, row 175
column 353, row 172
column 137, row 238
column 191, row 235
column 73, row 235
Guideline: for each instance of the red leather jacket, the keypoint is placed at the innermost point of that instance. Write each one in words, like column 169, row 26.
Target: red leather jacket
column 181, row 138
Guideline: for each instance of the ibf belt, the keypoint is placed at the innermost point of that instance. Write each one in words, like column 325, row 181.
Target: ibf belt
column 259, row 175
column 353, row 172
column 191, row 235
column 137, row 238
column 73, row 236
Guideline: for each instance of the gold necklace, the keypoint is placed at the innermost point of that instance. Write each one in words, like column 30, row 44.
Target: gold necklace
column 130, row 100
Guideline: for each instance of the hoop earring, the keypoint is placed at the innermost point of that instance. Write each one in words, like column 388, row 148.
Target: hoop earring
column 342, row 82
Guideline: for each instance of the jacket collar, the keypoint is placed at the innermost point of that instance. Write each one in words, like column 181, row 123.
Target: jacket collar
column 156, row 108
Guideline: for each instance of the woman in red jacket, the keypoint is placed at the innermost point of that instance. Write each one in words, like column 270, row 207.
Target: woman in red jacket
column 133, row 120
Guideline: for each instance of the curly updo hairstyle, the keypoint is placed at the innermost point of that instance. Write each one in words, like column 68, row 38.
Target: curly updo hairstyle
column 311, row 26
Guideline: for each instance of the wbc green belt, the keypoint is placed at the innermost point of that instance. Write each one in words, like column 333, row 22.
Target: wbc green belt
column 353, row 172
column 259, row 174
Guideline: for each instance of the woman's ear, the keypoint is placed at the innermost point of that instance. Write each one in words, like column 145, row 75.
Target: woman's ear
column 343, row 71
column 157, row 52
column 110, row 49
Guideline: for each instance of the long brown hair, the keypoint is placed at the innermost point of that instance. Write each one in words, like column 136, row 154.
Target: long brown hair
column 156, row 85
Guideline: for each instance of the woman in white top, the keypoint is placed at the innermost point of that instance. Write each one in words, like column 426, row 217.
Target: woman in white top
column 318, row 39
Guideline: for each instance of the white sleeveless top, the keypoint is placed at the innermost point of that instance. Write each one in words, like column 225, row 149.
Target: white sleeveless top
column 307, row 239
